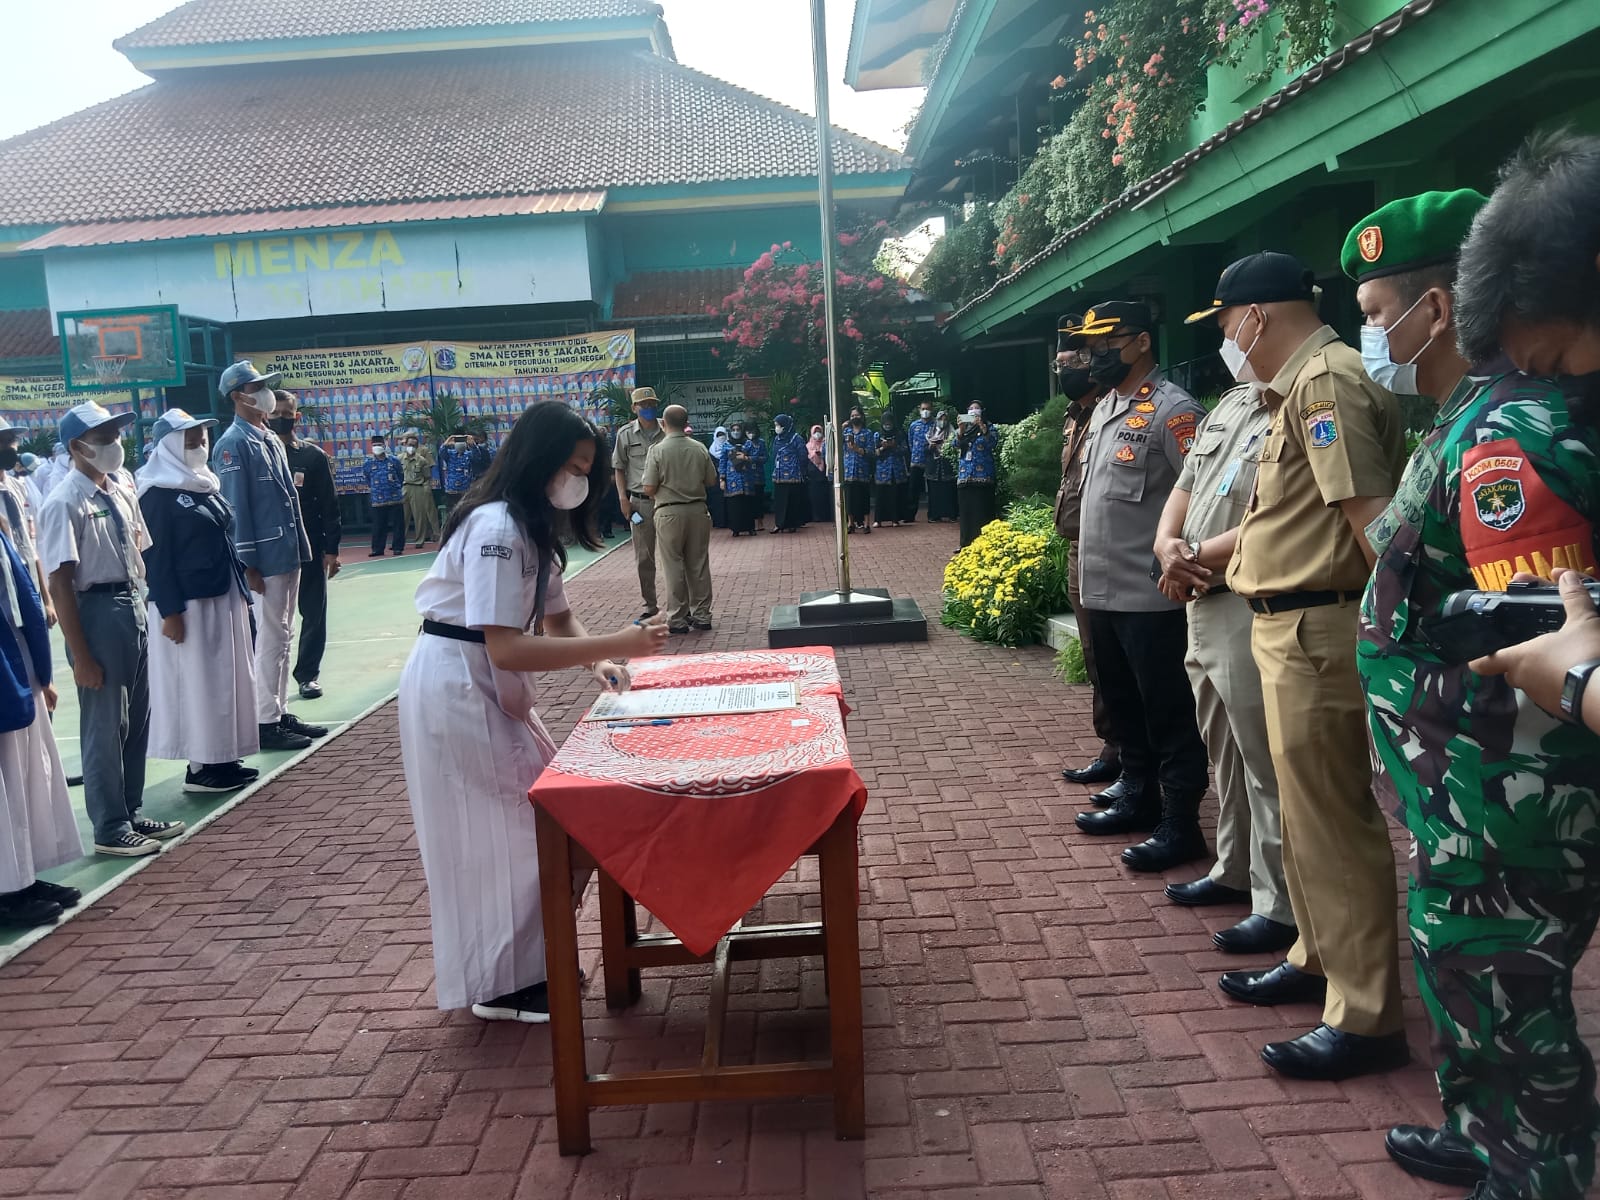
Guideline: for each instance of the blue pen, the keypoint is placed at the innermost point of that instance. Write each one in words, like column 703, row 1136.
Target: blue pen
column 635, row 724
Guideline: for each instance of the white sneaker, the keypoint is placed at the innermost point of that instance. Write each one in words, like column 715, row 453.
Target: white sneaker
column 530, row 1006
column 128, row 845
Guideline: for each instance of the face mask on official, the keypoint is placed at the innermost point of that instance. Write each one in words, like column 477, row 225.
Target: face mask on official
column 379, row 451
column 647, row 412
column 1378, row 359
column 925, row 413
column 567, row 491
column 1107, row 368
column 264, row 398
column 1237, row 359
column 9, row 458
column 105, row 459
column 1075, row 382
column 282, row 426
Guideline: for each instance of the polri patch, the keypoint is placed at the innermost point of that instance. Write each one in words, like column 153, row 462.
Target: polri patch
column 495, row 552
column 1144, row 406
column 1125, row 454
column 1137, row 422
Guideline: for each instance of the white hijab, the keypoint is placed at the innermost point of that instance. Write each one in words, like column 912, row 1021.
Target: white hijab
column 166, row 468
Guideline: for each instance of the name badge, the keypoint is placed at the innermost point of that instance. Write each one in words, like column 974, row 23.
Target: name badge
column 1228, row 476
column 299, row 479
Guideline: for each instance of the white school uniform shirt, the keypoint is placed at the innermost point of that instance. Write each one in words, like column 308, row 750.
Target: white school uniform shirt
column 76, row 525
column 488, row 574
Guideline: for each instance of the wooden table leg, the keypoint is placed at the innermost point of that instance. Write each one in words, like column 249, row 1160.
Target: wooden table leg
column 838, row 862
column 619, row 929
column 571, row 1074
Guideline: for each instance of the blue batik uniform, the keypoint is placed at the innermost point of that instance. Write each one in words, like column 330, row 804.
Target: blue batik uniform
column 736, row 480
column 455, row 466
column 917, row 438
column 891, row 463
column 859, row 448
column 788, row 459
column 385, row 480
column 755, row 476
column 977, row 457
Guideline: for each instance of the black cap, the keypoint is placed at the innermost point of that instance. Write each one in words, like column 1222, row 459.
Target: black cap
column 1065, row 324
column 1265, row 278
column 1110, row 316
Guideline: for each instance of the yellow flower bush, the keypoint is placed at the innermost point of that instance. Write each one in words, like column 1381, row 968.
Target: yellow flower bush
column 1002, row 587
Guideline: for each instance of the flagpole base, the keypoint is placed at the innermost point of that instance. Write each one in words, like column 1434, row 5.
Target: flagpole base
column 864, row 616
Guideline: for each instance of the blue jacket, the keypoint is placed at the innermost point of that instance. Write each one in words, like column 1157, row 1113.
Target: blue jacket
column 386, row 480
column 268, row 531
column 917, row 438
column 754, row 474
column 977, row 455
column 789, row 458
column 860, row 445
column 191, row 555
column 891, row 466
column 736, row 479
column 17, row 709
column 460, row 466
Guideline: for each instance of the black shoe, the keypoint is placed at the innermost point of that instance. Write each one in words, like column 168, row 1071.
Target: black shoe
column 702, row 626
column 1171, row 845
column 23, row 910
column 311, row 690
column 1493, row 1189
column 1204, row 892
column 1098, row 771
column 530, row 1005
column 157, row 831
column 1441, row 1155
column 74, row 780
column 276, row 737
column 248, row 774
column 1136, row 811
column 1256, row 935
column 1106, row 797
column 295, row 725
column 213, row 777
column 1332, row 1054
column 677, row 629
column 1282, row 984
column 43, row 889
column 648, row 613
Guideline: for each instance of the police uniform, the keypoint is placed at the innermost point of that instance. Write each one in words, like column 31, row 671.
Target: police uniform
column 1136, row 446
column 633, row 443
column 1219, row 476
column 1502, row 799
column 680, row 469
column 1335, row 435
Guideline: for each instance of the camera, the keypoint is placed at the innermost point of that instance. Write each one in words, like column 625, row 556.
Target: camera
column 1472, row 624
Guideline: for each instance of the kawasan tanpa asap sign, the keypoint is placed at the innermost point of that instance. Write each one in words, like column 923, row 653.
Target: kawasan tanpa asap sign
column 373, row 269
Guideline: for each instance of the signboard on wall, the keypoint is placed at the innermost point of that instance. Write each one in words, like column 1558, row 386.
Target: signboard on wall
column 711, row 401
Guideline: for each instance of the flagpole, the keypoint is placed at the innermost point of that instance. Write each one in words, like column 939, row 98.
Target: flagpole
column 819, row 66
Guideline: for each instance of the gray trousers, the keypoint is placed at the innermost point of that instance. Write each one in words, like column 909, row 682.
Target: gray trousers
column 114, row 719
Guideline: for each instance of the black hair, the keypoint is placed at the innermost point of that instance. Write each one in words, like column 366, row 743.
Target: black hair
column 539, row 445
column 377, row 437
column 1531, row 253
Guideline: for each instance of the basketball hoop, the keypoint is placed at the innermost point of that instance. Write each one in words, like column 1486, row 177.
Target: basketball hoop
column 108, row 368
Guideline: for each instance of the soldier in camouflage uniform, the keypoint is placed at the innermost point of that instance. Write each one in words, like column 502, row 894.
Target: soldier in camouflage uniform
column 1502, row 799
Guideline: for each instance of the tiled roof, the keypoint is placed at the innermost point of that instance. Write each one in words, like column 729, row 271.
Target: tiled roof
column 674, row 293
column 519, row 121
column 28, row 333
column 206, row 22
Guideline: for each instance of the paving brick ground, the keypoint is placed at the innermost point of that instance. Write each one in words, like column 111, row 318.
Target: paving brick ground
column 253, row 1015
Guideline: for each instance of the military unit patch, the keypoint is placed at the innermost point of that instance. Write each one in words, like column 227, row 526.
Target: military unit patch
column 1501, row 491
column 1321, row 427
column 1500, row 503
column 1370, row 242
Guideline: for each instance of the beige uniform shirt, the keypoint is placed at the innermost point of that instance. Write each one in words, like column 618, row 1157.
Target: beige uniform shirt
column 680, row 469
column 1334, row 435
column 1220, row 472
column 633, row 443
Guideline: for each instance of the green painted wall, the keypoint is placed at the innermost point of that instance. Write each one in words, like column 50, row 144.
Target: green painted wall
column 22, row 283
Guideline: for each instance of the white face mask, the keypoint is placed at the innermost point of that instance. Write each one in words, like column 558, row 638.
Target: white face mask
column 1237, row 360
column 194, row 457
column 410, row 450
column 1399, row 378
column 104, row 459
column 567, row 491
column 265, row 399
column 926, row 414
column 379, row 451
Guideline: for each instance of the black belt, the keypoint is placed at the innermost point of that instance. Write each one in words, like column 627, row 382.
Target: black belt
column 1216, row 589
column 1290, row 601
column 110, row 589
column 637, row 496
column 676, row 503
column 455, row 633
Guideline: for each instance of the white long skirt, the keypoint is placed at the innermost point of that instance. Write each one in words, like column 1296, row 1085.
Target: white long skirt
column 203, row 691
column 472, row 746
column 37, row 827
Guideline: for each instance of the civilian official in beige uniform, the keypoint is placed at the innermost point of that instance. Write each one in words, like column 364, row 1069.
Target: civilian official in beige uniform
column 677, row 472
column 633, row 442
column 1331, row 460
column 1194, row 543
column 1072, row 376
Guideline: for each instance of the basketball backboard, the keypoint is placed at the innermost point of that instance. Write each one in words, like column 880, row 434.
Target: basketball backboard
column 119, row 348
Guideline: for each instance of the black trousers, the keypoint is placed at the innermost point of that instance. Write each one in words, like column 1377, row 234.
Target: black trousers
column 887, row 499
column 313, row 620
column 858, row 501
column 913, row 500
column 1139, row 659
column 388, row 523
column 789, row 505
column 976, row 504
column 941, row 499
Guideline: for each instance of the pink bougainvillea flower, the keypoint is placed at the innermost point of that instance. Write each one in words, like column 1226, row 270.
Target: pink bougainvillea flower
column 1060, row 81
column 849, row 239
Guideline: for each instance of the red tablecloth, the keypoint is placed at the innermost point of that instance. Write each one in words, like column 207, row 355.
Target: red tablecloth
column 697, row 819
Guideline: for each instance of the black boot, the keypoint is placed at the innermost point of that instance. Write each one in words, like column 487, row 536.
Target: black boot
column 1136, row 810
column 1177, row 840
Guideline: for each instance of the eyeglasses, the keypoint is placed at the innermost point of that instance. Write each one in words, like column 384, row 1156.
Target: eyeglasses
column 1115, row 342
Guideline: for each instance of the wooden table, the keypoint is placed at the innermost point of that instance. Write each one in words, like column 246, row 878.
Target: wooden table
column 625, row 952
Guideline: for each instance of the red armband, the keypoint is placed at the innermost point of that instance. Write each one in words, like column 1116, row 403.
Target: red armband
column 1511, row 521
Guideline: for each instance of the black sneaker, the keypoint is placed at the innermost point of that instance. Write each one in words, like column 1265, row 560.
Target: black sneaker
column 530, row 1005
column 311, row 690
column 700, row 625
column 127, row 845
column 215, row 777
column 157, row 831
column 248, row 774
column 277, row 737
column 43, row 889
column 23, row 910
column 295, row 725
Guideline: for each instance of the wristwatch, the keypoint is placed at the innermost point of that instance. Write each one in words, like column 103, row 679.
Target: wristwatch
column 1194, row 551
column 1572, row 690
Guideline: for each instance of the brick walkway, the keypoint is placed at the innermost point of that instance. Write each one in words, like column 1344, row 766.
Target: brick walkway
column 253, row 1015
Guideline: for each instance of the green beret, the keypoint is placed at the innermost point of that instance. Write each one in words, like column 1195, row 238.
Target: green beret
column 1404, row 235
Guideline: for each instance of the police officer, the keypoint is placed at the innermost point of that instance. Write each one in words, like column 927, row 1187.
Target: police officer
column 1139, row 435
column 627, row 460
column 1331, row 457
column 1194, row 542
column 1501, row 797
column 1072, row 377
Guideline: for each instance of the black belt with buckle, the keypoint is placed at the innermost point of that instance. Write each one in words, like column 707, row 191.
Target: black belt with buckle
column 676, row 503
column 1290, row 601
column 637, row 496
column 456, row 633
column 121, row 587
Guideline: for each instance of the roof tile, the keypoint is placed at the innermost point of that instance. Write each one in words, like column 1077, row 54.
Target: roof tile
column 674, row 293
column 28, row 333
column 388, row 129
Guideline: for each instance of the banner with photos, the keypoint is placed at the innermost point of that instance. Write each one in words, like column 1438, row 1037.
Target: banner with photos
column 36, row 403
column 492, row 379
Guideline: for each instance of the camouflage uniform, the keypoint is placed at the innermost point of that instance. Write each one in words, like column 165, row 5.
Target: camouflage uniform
column 1502, row 799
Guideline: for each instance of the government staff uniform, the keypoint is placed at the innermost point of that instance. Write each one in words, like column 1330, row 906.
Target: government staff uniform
column 1137, row 444
column 680, row 469
column 100, row 529
column 386, row 493
column 1334, row 436
column 422, row 514
column 633, row 443
column 312, row 472
column 917, row 440
column 1220, row 475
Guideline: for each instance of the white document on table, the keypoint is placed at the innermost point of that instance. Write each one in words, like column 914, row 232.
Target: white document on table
column 649, row 704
